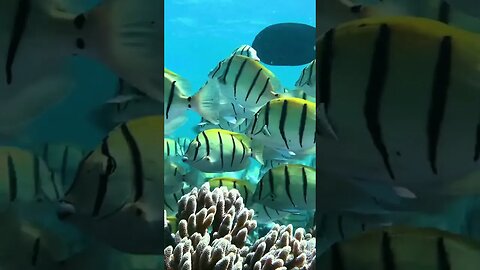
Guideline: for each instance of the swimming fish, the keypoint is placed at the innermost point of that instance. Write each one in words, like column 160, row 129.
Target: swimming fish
column 218, row 150
column 243, row 80
column 373, row 139
column 118, row 187
column 403, row 248
column 286, row 44
column 38, row 38
column 266, row 215
column 290, row 187
column 286, row 124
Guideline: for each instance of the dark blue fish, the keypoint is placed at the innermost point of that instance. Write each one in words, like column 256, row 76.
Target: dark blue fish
column 286, row 44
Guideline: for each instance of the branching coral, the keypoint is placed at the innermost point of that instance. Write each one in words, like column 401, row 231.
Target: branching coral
column 212, row 235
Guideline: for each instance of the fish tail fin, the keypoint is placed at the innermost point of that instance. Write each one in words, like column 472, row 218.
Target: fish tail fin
column 206, row 103
column 126, row 35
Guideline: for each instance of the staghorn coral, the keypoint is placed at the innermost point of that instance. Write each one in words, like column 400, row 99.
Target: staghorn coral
column 212, row 235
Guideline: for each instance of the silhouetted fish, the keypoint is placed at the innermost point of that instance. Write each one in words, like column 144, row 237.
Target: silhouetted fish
column 286, row 44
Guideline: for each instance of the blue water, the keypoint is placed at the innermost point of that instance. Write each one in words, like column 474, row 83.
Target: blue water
column 200, row 33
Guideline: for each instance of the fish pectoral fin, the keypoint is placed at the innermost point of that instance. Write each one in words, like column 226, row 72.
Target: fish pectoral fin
column 265, row 131
column 231, row 119
column 383, row 191
column 325, row 128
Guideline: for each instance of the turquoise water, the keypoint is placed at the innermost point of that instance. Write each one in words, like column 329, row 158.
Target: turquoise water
column 200, row 33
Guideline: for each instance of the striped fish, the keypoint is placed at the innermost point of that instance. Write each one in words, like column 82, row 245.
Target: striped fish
column 402, row 248
column 173, row 147
column 218, row 150
column 290, row 187
column 245, row 188
column 243, row 80
column 63, row 159
column 285, row 123
column 246, row 50
column 26, row 179
column 177, row 91
column 413, row 133
column 36, row 73
column 307, row 80
column 119, row 184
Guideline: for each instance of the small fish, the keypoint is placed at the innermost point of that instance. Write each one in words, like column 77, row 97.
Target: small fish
column 245, row 188
column 290, row 187
column 218, row 150
column 117, row 188
column 403, row 248
column 240, row 127
column 286, row 124
column 243, row 80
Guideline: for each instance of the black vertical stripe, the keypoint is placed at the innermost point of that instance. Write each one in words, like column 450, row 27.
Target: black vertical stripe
column 300, row 80
column 35, row 252
column 223, row 78
column 267, row 114
column 233, row 150
column 36, row 177
column 444, row 12
column 197, row 148
column 387, row 253
column 283, row 118
column 168, row 206
column 336, row 257
column 170, row 98
column 221, row 148
column 442, row 255
column 476, row 154
column 21, row 18
column 266, row 212
column 244, row 150
column 374, row 92
column 12, row 178
column 246, row 194
column 438, row 100
column 325, row 67
column 207, row 143
column 45, row 152
column 263, row 90
column 305, row 184
column 303, row 121
column 237, row 77
column 102, row 181
column 271, row 183
column 287, row 185
column 253, row 83
column 260, row 189
column 254, row 123
column 168, row 148
column 137, row 161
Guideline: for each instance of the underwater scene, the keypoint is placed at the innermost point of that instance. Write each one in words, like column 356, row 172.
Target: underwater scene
column 239, row 113
column 379, row 173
